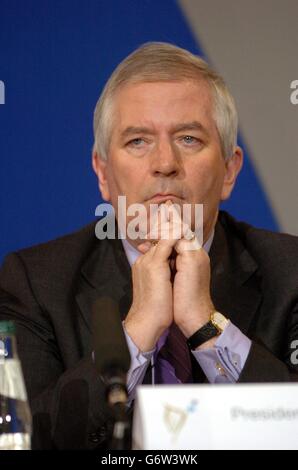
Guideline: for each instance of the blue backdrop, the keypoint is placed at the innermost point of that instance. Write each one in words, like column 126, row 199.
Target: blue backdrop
column 55, row 56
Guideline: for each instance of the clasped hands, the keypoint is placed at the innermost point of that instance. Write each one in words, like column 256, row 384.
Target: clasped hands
column 158, row 299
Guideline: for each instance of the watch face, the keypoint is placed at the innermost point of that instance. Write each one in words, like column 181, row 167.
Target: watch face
column 219, row 320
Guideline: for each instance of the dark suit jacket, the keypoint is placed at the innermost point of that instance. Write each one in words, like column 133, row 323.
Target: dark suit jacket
column 48, row 290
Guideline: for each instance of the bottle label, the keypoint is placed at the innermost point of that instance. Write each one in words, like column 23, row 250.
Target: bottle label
column 11, row 380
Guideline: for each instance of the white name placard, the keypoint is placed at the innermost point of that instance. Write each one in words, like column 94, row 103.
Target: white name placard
column 207, row 416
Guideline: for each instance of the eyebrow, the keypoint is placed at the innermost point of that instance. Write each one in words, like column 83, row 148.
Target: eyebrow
column 135, row 130
column 184, row 126
column 190, row 126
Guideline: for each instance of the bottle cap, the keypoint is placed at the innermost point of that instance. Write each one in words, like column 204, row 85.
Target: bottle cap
column 7, row 327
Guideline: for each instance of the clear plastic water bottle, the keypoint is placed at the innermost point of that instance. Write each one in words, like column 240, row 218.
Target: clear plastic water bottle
column 15, row 416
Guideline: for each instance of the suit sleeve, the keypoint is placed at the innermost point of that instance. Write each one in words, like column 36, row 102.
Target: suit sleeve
column 264, row 366
column 67, row 405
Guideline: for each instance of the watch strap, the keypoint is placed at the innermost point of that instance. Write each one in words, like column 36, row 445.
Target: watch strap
column 202, row 335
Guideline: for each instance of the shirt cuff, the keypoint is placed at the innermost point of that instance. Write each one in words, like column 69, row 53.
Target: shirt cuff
column 138, row 365
column 224, row 362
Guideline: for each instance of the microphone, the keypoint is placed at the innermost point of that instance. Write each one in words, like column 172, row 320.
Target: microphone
column 112, row 360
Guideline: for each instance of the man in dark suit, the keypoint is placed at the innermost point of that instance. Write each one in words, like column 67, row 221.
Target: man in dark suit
column 165, row 133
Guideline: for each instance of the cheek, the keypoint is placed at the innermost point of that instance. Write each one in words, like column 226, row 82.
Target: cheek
column 123, row 179
column 206, row 181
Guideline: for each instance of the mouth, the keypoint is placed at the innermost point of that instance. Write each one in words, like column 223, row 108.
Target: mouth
column 161, row 197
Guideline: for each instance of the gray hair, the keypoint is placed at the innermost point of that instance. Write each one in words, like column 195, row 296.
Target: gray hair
column 158, row 61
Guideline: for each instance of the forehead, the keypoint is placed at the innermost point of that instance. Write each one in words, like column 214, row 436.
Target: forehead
column 163, row 103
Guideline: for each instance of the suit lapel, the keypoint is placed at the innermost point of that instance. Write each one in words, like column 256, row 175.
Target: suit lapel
column 234, row 278
column 106, row 272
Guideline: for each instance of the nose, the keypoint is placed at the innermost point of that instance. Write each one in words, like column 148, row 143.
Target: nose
column 165, row 161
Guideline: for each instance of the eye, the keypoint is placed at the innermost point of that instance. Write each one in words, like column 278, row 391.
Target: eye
column 137, row 142
column 189, row 139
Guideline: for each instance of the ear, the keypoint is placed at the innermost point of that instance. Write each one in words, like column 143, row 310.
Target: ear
column 233, row 167
column 100, row 168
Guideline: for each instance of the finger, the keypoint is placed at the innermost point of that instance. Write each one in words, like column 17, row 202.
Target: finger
column 144, row 247
column 184, row 245
column 167, row 223
column 175, row 230
column 160, row 218
column 168, row 213
column 164, row 248
column 188, row 233
column 162, row 215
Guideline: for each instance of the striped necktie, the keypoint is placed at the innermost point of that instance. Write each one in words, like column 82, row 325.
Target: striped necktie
column 172, row 358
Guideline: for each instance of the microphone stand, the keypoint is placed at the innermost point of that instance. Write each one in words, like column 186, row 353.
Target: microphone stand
column 117, row 396
column 112, row 360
